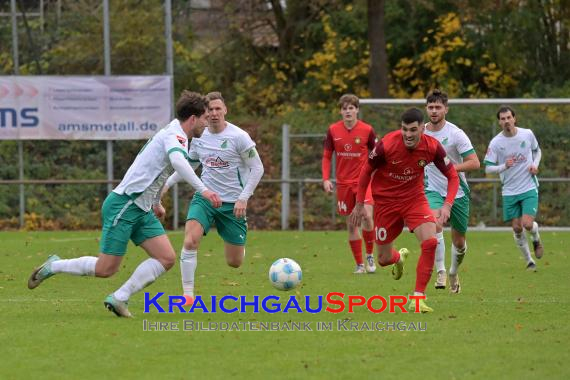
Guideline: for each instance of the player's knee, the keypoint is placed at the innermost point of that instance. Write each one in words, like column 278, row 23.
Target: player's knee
column 527, row 224
column 517, row 229
column 190, row 242
column 105, row 272
column 168, row 261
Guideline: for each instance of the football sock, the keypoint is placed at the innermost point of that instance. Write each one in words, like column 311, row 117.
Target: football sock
column 522, row 243
column 356, row 248
column 395, row 258
column 440, row 253
column 457, row 256
column 145, row 274
column 534, row 232
column 368, row 237
column 82, row 266
column 188, row 264
column 425, row 264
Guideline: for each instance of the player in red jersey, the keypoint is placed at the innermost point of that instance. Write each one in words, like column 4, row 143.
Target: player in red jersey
column 396, row 167
column 351, row 140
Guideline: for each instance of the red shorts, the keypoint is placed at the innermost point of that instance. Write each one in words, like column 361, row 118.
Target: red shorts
column 389, row 218
column 346, row 198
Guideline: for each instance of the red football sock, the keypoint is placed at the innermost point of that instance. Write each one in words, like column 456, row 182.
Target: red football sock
column 368, row 237
column 395, row 258
column 425, row 264
column 356, row 248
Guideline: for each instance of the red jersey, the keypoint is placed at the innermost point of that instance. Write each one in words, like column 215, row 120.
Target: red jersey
column 351, row 147
column 398, row 172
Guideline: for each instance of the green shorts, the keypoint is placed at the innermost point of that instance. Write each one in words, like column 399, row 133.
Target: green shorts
column 459, row 218
column 515, row 206
column 123, row 220
column 231, row 229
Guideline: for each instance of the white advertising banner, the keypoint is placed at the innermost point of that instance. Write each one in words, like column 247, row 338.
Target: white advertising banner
column 83, row 108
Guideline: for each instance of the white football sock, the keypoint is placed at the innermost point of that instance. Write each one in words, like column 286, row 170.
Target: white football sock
column 440, row 253
column 522, row 243
column 82, row 266
column 534, row 232
column 188, row 264
column 457, row 256
column 145, row 274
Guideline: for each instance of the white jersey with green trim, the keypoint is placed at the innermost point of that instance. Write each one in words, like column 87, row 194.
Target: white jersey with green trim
column 223, row 169
column 152, row 167
column 516, row 179
column 457, row 146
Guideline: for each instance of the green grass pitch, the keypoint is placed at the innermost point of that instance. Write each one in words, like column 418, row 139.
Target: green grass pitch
column 507, row 322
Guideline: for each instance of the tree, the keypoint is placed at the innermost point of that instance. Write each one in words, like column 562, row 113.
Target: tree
column 378, row 74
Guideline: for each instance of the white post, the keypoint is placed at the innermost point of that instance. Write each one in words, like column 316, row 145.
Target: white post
column 285, row 177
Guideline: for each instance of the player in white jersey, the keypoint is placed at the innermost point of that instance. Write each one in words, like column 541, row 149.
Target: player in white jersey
column 127, row 211
column 515, row 155
column 461, row 153
column 232, row 168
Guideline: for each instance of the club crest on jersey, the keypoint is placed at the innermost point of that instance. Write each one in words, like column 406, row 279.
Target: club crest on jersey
column 347, row 147
column 181, row 140
column 357, row 140
column 422, row 163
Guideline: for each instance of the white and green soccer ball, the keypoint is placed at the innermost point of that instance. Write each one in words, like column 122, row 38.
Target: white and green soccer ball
column 285, row 274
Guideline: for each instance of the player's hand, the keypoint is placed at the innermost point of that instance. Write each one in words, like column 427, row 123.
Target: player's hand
column 214, row 198
column 509, row 163
column 327, row 186
column 443, row 213
column 533, row 170
column 240, row 208
column 357, row 215
column 159, row 210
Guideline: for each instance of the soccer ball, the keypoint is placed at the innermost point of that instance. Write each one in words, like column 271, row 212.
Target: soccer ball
column 285, row 274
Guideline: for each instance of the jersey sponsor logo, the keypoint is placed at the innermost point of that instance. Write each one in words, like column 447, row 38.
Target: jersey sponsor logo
column 347, row 147
column 407, row 176
column 217, row 162
column 523, row 144
column 224, row 144
column 444, row 141
column 518, row 158
column 348, row 154
column 422, row 163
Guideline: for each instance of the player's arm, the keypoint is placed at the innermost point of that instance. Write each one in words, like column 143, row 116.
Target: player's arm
column 536, row 156
column 492, row 165
column 465, row 148
column 375, row 159
column 251, row 159
column 181, row 165
column 448, row 170
column 328, row 148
